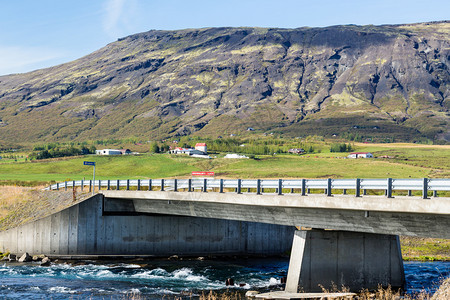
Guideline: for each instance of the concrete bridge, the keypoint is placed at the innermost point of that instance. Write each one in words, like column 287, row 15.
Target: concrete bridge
column 361, row 251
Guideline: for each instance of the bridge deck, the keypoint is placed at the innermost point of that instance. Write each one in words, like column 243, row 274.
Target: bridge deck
column 401, row 215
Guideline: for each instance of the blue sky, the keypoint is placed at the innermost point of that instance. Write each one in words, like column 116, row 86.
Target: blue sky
column 37, row 34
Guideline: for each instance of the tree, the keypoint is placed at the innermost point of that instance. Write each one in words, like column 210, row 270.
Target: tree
column 154, row 147
column 92, row 149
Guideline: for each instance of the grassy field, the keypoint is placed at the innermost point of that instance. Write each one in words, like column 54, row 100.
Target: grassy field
column 409, row 161
column 425, row 249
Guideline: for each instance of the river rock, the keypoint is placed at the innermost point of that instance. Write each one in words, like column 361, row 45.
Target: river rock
column 251, row 294
column 25, row 257
column 38, row 257
column 12, row 257
column 45, row 262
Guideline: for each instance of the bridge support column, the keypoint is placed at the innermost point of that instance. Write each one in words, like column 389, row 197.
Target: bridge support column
column 342, row 258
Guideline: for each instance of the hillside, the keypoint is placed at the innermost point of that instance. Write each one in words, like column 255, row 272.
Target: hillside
column 387, row 81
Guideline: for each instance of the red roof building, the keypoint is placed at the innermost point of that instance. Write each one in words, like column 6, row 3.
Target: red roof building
column 201, row 147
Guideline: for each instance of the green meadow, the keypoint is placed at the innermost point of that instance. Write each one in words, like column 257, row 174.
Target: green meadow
column 405, row 161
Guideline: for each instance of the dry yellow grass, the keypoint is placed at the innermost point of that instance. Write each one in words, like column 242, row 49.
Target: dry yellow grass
column 402, row 145
column 19, row 205
column 12, row 196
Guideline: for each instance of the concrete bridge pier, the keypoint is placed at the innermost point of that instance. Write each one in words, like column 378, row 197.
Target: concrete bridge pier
column 344, row 259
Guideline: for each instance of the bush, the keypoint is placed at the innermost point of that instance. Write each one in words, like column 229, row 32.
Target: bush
column 341, row 147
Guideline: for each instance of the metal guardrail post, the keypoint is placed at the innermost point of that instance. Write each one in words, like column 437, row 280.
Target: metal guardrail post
column 258, row 187
column 221, row 186
column 73, row 184
column 409, row 193
column 358, row 188
column 434, row 193
column 150, row 185
column 389, row 188
column 128, row 184
column 364, row 192
column 344, row 192
column 90, row 185
column 329, row 187
column 189, row 185
column 425, row 188
column 303, row 187
column 65, row 185
column 139, row 185
column 99, row 185
column 175, row 185
column 238, row 190
column 205, row 182
column 109, row 185
column 162, row 185
column 57, row 186
column 82, row 185
column 118, row 185
column 280, row 187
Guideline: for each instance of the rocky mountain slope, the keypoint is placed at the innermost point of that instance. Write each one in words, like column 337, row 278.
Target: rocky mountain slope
column 374, row 81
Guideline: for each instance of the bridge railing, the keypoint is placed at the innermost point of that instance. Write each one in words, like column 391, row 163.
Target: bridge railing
column 263, row 186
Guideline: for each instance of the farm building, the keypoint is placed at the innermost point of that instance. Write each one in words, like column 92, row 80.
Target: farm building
column 108, row 152
column 296, row 151
column 360, row 155
column 187, row 151
column 201, row 147
column 125, row 151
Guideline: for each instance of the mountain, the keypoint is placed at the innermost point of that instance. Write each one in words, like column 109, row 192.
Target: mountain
column 389, row 81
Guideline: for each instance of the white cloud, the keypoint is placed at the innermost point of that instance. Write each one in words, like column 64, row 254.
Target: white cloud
column 119, row 17
column 19, row 59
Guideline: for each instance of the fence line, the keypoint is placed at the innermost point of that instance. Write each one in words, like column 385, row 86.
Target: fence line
column 264, row 186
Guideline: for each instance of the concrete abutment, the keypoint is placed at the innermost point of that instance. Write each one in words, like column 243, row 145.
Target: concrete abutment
column 325, row 258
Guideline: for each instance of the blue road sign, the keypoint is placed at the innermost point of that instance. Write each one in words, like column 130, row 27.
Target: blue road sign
column 89, row 163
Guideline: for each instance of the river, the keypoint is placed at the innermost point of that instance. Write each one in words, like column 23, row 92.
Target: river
column 154, row 279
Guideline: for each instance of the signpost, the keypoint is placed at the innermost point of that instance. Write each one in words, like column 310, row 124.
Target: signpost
column 91, row 163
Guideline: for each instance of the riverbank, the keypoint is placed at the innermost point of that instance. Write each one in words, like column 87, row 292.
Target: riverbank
column 20, row 205
column 425, row 249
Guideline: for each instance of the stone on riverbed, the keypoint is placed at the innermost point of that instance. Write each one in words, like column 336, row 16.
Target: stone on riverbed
column 38, row 257
column 25, row 257
column 45, row 262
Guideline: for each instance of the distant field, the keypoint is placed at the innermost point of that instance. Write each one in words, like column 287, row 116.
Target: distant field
column 411, row 161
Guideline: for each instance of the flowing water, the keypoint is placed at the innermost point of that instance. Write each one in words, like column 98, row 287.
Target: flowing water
column 155, row 279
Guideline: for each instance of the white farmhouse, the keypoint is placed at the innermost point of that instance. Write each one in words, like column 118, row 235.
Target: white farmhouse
column 201, row 147
column 108, row 152
column 360, row 155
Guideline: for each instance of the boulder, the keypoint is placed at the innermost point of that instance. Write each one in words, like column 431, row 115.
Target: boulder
column 38, row 257
column 45, row 262
column 12, row 257
column 25, row 257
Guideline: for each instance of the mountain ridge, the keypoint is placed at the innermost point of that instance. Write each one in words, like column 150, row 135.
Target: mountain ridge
column 375, row 81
